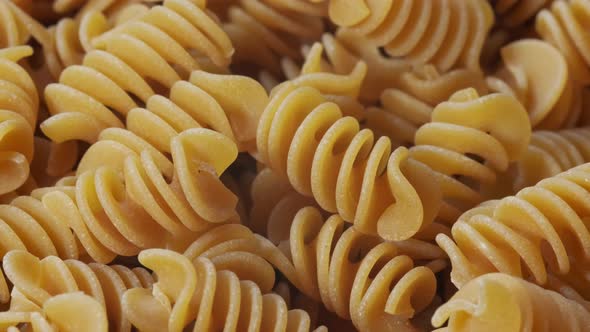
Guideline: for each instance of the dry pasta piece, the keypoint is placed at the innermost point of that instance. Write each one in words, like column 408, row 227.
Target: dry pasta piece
column 448, row 34
column 19, row 104
column 482, row 137
column 565, row 26
column 16, row 26
column 212, row 298
column 499, row 302
column 513, row 13
column 264, row 31
column 540, row 230
column 38, row 281
column 551, row 152
column 69, row 312
column 132, row 202
column 228, row 104
column 324, row 155
column 536, row 73
column 90, row 95
column 409, row 105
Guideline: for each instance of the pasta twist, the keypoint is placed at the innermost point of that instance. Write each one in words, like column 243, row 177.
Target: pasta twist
column 326, row 156
column 550, row 153
column 378, row 289
column 472, row 131
column 19, row 104
column 164, row 35
column 39, row 281
column 263, row 31
column 513, row 13
column 16, row 26
column 118, row 208
column 228, row 104
column 565, row 25
column 69, row 312
column 214, row 299
column 541, row 228
column 499, row 302
column 448, row 34
column 542, row 83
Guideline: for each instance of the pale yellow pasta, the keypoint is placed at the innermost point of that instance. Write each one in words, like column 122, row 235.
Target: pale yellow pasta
column 69, row 312
column 448, row 34
column 565, row 25
column 37, row 282
column 324, row 155
column 542, row 83
column 113, row 74
column 499, row 302
column 213, row 298
column 540, row 230
column 19, row 104
column 264, row 31
column 482, row 137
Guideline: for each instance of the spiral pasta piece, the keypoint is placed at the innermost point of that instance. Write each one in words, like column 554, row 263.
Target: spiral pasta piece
column 61, row 313
column 228, row 104
column 326, row 156
column 39, row 281
column 550, row 153
column 499, row 302
column 540, row 230
column 448, row 34
column 16, row 26
column 164, row 35
column 212, row 298
column 19, row 104
column 542, row 83
column 565, row 26
column 477, row 145
column 135, row 203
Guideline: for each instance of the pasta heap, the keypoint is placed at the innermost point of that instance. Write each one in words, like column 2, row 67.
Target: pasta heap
column 294, row 165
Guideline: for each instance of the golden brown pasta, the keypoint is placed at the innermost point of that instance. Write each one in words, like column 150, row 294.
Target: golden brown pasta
column 37, row 282
column 111, row 76
column 542, row 83
column 306, row 139
column 565, row 25
column 69, row 312
column 499, row 302
column 448, row 34
column 513, row 13
column 19, row 104
column 482, row 137
column 214, row 299
column 540, row 230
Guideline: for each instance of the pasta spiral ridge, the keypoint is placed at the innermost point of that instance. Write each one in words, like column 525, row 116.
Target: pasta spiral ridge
column 472, row 131
column 550, row 153
column 164, row 35
column 37, row 281
column 326, row 156
column 543, row 84
column 213, row 298
column 61, row 313
column 565, row 26
column 540, row 230
column 16, row 26
column 496, row 301
column 448, row 34
column 264, row 31
column 116, row 209
column 19, row 103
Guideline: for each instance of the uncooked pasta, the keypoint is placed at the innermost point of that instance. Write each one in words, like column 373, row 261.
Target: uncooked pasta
column 294, row 165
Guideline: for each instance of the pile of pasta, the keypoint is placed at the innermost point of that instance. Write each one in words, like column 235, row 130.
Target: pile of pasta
column 294, row 165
